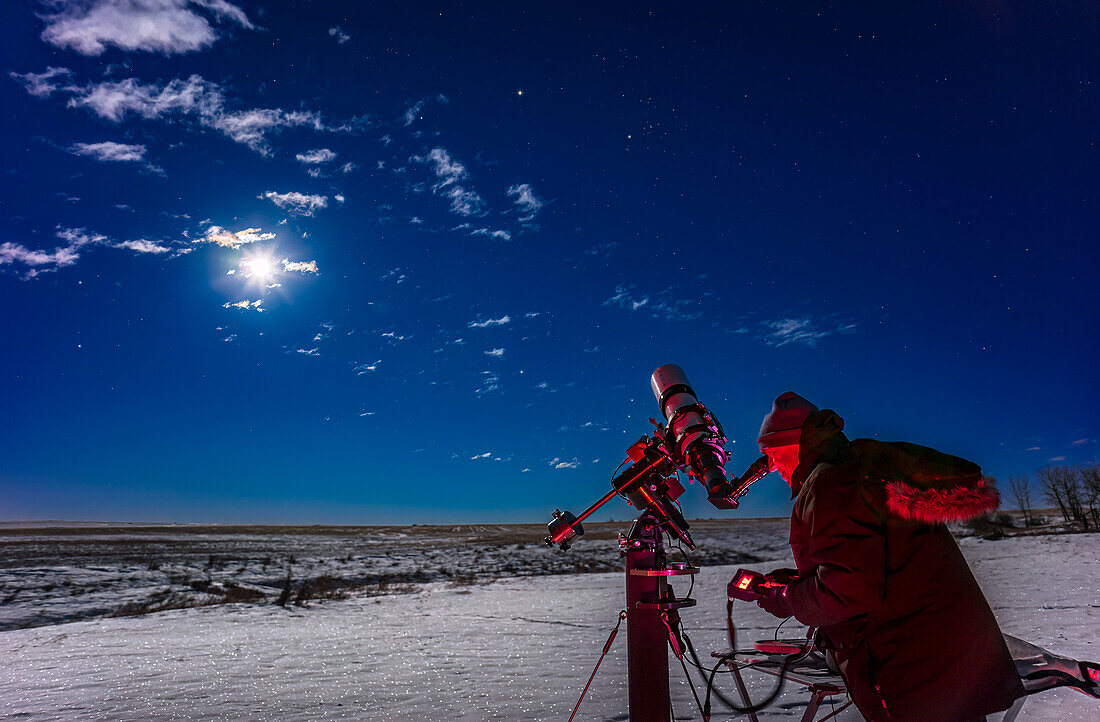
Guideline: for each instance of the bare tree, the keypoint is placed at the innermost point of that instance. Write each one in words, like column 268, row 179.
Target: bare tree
column 1021, row 492
column 1064, row 486
column 1090, row 480
column 1050, row 481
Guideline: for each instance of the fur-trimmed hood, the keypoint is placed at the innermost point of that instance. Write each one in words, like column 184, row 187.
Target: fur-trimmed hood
column 922, row 484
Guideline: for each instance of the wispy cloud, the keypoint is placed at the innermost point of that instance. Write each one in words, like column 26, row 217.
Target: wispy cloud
column 527, row 203
column 42, row 85
column 666, row 304
column 412, row 114
column 315, row 156
column 300, row 266
column 804, row 331
column 502, row 321
column 193, row 97
column 155, row 26
column 111, row 152
column 76, row 240
column 464, row 202
column 490, row 383
column 309, row 351
column 603, row 250
column 557, row 463
column 340, row 35
column 364, row 368
column 500, row 235
column 142, row 246
column 296, row 204
column 246, row 305
column 497, row 352
column 233, row 239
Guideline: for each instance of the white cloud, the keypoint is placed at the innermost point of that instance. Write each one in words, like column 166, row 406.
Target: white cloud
column 246, row 305
column 340, row 35
column 502, row 235
column 527, row 203
column 59, row 257
column 447, row 169
column 111, row 152
column 497, row 352
column 309, row 352
column 142, row 246
column 339, row 198
column 464, row 202
column 502, row 321
column 490, row 383
column 38, row 261
column 1057, row 458
column 233, row 239
column 155, row 26
column 318, row 155
column 804, row 331
column 361, row 369
column 41, row 85
column 557, row 463
column 486, row 455
column 349, row 167
column 412, row 114
column 296, row 204
column 114, row 100
column 667, row 304
column 300, row 266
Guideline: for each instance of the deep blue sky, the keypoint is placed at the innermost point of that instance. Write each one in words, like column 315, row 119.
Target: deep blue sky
column 890, row 210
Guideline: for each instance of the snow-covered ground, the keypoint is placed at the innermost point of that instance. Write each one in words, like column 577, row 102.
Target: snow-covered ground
column 518, row 648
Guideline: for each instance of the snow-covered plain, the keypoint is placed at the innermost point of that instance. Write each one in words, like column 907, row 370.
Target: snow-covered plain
column 455, row 647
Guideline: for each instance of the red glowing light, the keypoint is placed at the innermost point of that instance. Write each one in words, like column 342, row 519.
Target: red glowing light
column 744, row 582
column 1094, row 674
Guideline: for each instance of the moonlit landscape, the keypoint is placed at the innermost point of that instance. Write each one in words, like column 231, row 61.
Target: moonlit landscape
column 313, row 313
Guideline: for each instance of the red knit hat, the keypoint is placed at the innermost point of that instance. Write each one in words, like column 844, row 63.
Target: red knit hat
column 783, row 426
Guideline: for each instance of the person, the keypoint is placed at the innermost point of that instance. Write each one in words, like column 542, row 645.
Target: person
column 879, row 574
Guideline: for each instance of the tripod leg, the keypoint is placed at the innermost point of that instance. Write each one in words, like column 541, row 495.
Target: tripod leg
column 744, row 691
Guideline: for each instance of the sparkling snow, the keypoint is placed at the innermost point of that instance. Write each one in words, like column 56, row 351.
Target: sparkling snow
column 518, row 648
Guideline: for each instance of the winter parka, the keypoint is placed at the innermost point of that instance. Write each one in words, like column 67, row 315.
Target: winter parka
column 883, row 580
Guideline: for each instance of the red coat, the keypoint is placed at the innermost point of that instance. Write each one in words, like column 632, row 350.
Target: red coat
column 885, row 582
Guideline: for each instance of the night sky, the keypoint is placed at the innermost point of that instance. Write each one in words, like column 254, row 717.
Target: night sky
column 397, row 262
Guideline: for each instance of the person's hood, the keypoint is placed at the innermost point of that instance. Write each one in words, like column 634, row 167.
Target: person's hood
column 821, row 441
column 923, row 484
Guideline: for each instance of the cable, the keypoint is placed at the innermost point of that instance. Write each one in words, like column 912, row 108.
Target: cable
column 788, row 660
column 776, row 635
column 699, row 665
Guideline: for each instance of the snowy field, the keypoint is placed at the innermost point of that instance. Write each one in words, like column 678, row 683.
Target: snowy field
column 421, row 634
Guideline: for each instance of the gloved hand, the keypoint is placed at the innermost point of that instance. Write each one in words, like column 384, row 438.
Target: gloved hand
column 782, row 576
column 774, row 601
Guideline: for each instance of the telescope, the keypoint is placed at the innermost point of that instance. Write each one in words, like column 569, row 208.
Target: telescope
column 691, row 441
